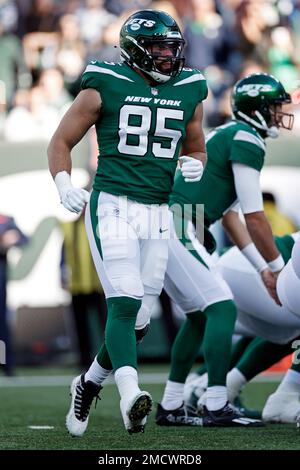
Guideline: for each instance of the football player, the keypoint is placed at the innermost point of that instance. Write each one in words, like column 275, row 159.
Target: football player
column 236, row 155
column 275, row 328
column 235, row 158
column 145, row 109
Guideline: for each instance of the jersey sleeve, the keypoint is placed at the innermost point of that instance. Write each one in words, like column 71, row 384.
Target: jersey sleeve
column 194, row 84
column 90, row 78
column 203, row 89
column 247, row 149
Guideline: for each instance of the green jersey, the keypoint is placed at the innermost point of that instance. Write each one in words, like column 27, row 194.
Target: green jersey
column 234, row 142
column 285, row 246
column 141, row 128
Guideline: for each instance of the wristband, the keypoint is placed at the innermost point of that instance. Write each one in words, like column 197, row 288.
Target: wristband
column 252, row 254
column 63, row 181
column 277, row 264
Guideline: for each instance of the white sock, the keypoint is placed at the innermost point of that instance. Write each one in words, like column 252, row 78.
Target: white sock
column 191, row 377
column 126, row 378
column 203, row 380
column 290, row 382
column 96, row 373
column 216, row 397
column 173, row 395
column 235, row 381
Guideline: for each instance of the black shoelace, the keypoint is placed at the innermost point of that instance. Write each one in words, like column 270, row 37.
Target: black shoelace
column 83, row 400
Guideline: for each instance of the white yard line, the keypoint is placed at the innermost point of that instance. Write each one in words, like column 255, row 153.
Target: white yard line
column 64, row 380
column 40, row 427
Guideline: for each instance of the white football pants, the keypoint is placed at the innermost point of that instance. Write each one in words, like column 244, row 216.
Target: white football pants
column 129, row 245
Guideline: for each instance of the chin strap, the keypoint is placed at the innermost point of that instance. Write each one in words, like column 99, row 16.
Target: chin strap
column 270, row 131
column 159, row 77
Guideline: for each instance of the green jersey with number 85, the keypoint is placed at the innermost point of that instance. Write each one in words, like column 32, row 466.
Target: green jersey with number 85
column 141, row 128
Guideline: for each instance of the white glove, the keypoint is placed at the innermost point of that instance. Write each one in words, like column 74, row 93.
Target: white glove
column 191, row 169
column 71, row 198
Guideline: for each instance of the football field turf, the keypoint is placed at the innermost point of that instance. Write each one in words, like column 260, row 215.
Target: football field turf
column 24, row 406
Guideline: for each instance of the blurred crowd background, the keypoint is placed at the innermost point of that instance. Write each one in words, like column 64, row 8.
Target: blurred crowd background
column 46, row 44
column 54, row 306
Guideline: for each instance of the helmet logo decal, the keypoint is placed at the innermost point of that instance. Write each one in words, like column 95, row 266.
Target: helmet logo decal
column 136, row 23
column 253, row 89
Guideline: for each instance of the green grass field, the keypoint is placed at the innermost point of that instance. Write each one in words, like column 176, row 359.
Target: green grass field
column 21, row 407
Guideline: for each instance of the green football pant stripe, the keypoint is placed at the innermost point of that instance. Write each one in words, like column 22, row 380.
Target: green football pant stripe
column 181, row 229
column 94, row 219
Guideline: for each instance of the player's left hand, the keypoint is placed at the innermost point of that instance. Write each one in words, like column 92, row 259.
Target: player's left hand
column 191, row 169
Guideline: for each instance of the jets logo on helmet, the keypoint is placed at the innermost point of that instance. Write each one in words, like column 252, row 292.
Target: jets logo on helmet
column 254, row 89
column 136, row 23
column 258, row 99
column 151, row 41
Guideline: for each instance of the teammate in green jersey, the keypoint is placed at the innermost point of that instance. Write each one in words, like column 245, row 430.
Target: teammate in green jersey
column 275, row 329
column 235, row 157
column 146, row 110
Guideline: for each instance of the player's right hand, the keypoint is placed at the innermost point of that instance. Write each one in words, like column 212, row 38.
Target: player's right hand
column 270, row 279
column 191, row 169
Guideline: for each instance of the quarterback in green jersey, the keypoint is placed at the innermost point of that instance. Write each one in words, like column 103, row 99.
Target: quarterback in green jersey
column 235, row 157
column 147, row 111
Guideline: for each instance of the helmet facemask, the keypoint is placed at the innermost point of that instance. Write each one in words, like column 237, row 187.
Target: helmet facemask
column 159, row 58
column 165, row 57
column 281, row 119
column 269, row 117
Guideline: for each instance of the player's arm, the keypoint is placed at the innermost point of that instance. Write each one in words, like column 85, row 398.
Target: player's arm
column 194, row 142
column 248, row 190
column 194, row 157
column 83, row 113
column 236, row 229
column 240, row 236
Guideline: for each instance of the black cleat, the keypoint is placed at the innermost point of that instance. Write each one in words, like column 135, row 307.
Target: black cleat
column 182, row 416
column 83, row 394
column 228, row 417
